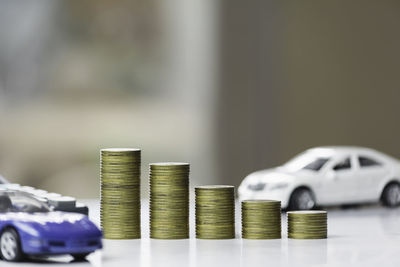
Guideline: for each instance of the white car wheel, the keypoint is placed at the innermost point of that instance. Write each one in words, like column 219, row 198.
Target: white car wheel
column 391, row 195
column 302, row 199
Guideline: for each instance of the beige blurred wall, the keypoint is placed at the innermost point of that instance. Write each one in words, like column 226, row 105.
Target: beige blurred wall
column 231, row 86
column 342, row 61
column 298, row 74
column 76, row 77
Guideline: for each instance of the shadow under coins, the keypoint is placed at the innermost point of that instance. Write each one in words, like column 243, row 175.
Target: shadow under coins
column 262, row 252
column 217, row 252
column 166, row 253
column 307, row 252
column 121, row 253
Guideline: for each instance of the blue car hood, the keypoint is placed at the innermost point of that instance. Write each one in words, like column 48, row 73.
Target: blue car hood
column 56, row 224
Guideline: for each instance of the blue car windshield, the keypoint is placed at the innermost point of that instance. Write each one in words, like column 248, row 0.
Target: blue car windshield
column 18, row 202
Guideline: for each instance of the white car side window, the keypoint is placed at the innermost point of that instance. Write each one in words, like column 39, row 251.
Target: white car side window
column 367, row 162
column 343, row 165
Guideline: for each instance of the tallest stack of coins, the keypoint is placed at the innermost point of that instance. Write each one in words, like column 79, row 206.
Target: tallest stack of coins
column 120, row 193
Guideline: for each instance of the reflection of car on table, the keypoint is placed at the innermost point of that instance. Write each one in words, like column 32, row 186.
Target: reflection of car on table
column 29, row 227
column 328, row 176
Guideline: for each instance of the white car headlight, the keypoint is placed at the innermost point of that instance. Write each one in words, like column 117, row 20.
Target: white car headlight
column 256, row 186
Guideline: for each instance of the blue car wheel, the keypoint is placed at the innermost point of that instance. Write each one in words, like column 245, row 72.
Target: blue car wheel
column 10, row 245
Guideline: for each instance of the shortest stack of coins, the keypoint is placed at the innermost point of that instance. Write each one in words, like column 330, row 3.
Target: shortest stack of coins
column 215, row 212
column 310, row 224
column 169, row 200
column 261, row 219
column 120, row 193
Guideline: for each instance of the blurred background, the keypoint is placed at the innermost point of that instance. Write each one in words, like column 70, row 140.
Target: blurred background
column 229, row 86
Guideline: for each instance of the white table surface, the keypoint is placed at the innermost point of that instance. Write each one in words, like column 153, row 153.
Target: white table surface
column 361, row 236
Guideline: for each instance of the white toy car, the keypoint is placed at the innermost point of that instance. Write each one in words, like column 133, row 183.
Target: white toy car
column 328, row 176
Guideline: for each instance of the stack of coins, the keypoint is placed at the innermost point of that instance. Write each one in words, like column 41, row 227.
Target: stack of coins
column 215, row 212
column 261, row 219
column 307, row 224
column 120, row 193
column 169, row 200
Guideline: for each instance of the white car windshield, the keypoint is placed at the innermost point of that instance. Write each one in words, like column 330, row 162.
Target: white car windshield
column 307, row 161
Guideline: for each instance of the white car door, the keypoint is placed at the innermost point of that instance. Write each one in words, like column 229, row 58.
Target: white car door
column 339, row 185
column 369, row 173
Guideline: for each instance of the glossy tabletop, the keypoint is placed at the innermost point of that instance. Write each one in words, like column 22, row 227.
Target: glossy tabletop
column 359, row 236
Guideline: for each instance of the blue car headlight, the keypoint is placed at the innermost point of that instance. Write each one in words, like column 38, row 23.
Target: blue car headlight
column 36, row 242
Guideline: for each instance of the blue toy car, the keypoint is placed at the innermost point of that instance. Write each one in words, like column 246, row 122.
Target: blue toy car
column 30, row 227
column 54, row 200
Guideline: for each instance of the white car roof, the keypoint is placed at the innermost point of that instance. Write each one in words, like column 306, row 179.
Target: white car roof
column 342, row 149
column 337, row 150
